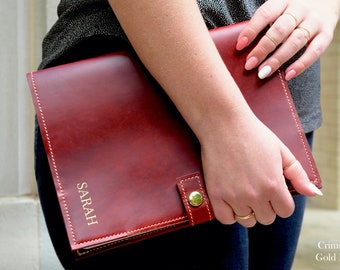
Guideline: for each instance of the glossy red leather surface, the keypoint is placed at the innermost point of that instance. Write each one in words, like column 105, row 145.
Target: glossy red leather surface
column 117, row 147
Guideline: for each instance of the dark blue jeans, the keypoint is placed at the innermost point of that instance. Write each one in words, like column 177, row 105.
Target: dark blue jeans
column 208, row 246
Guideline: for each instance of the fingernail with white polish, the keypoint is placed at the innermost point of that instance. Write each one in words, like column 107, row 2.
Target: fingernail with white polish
column 264, row 72
column 316, row 190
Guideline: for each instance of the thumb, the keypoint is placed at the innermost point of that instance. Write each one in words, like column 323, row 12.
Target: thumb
column 293, row 171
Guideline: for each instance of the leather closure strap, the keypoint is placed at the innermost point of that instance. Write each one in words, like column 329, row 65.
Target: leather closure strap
column 195, row 199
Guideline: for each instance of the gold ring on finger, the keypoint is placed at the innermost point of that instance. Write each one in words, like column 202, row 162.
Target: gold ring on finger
column 305, row 32
column 251, row 214
column 289, row 164
column 272, row 39
column 291, row 15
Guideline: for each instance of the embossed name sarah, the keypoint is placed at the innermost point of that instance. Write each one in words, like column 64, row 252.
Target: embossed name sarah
column 86, row 202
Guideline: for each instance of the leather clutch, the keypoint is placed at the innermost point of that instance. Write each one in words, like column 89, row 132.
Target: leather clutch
column 125, row 165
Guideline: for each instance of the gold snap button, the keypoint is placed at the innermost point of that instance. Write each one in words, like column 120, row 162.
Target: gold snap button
column 195, row 198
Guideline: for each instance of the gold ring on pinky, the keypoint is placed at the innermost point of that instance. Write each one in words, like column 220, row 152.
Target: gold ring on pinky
column 290, row 164
column 305, row 32
column 291, row 15
column 245, row 217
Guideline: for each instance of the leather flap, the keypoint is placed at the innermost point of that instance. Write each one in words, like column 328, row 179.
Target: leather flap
column 195, row 199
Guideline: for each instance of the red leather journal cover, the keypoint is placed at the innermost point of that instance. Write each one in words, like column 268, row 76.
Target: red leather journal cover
column 125, row 164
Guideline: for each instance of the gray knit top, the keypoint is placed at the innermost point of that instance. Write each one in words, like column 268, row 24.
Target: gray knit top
column 82, row 19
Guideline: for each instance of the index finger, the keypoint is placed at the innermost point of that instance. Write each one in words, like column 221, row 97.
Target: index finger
column 264, row 16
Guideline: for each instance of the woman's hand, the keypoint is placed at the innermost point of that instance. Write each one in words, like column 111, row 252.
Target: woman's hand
column 294, row 24
column 243, row 160
column 246, row 166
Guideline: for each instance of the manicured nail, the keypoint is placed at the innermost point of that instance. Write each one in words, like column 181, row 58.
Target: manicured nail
column 290, row 74
column 251, row 63
column 264, row 72
column 242, row 43
column 315, row 190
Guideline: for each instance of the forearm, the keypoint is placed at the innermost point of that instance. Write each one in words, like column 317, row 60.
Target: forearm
column 173, row 42
column 176, row 47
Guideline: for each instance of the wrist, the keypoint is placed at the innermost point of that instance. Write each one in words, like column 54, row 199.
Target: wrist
column 221, row 120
